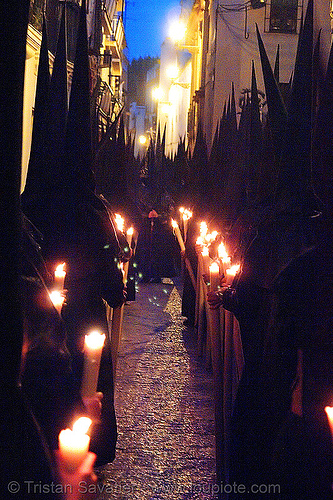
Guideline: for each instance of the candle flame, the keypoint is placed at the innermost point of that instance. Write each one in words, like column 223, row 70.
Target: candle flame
column 233, row 270
column 214, row 268
column 174, row 223
column 329, row 412
column 120, row 222
column 199, row 241
column 203, row 229
column 181, row 210
column 81, row 425
column 205, row 252
column 187, row 214
column 223, row 254
column 60, row 271
column 95, row 339
column 130, row 231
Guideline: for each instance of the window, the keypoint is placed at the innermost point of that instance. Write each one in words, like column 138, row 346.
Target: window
column 283, row 16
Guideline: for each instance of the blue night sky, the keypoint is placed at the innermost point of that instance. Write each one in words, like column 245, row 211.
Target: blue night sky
column 146, row 25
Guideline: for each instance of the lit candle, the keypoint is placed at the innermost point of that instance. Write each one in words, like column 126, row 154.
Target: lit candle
column 187, row 214
column 214, row 277
column 203, row 231
column 223, row 255
column 74, row 444
column 205, row 259
column 130, row 232
column 329, row 413
column 199, row 242
column 230, row 273
column 178, row 234
column 57, row 299
column 120, row 222
column 59, row 276
column 93, row 346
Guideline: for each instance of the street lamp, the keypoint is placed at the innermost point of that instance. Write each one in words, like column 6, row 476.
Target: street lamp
column 177, row 31
column 142, row 140
column 157, row 93
column 172, row 71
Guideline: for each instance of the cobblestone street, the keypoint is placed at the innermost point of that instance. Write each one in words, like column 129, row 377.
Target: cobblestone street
column 163, row 405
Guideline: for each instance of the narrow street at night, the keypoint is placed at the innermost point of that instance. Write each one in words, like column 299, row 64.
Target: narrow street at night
column 163, row 403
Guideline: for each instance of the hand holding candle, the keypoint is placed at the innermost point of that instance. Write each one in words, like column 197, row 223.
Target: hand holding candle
column 74, row 444
column 93, row 346
column 178, row 235
column 57, row 299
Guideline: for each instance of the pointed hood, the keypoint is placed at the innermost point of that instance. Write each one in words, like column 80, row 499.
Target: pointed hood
column 255, row 143
column 322, row 161
column 78, row 131
column 277, row 65
column 295, row 166
column 34, row 181
column 277, row 112
column 57, row 111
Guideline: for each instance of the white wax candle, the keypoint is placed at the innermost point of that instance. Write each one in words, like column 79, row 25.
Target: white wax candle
column 93, row 346
column 129, row 233
column 59, row 277
column 178, row 235
column 74, row 444
column 57, row 299
column 214, row 278
column 230, row 273
column 329, row 413
column 205, row 260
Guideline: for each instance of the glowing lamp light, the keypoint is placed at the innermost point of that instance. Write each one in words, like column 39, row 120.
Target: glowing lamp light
column 120, row 222
column 172, row 72
column 203, row 229
column 74, row 444
column 165, row 108
column 142, row 140
column 157, row 93
column 177, row 31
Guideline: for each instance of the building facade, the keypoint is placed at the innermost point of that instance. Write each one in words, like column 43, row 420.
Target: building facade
column 221, row 42
column 107, row 57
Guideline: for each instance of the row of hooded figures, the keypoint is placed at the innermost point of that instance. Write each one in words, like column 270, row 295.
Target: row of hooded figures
column 63, row 220
column 278, row 442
